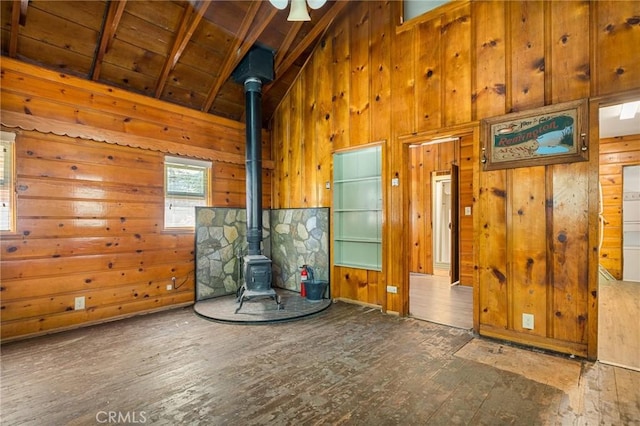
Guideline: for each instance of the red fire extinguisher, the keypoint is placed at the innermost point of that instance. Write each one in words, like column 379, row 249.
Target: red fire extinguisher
column 304, row 276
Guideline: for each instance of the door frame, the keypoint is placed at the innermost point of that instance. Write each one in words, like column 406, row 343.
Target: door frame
column 472, row 130
column 595, row 103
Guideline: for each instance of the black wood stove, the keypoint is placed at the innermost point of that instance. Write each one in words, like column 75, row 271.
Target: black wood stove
column 255, row 69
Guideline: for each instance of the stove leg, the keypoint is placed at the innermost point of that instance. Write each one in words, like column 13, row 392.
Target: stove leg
column 241, row 300
column 279, row 302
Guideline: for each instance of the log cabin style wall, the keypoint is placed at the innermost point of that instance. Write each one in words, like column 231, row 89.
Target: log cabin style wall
column 534, row 228
column 90, row 199
column 615, row 153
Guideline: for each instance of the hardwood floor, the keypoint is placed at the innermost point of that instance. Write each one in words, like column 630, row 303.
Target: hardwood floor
column 619, row 323
column 432, row 298
column 347, row 365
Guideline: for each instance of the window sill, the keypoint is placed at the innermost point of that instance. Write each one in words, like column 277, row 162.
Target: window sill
column 178, row 231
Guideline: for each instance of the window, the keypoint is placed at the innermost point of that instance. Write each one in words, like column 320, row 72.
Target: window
column 7, row 178
column 186, row 187
column 413, row 8
column 357, row 208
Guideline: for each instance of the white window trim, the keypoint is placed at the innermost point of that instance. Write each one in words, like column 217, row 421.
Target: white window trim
column 183, row 161
column 9, row 138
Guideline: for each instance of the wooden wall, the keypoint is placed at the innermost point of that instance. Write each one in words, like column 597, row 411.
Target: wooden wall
column 426, row 160
column 534, row 228
column 90, row 213
column 615, row 153
column 341, row 100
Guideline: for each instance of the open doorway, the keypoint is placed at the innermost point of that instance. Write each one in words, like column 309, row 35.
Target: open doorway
column 435, row 293
column 619, row 285
column 441, row 222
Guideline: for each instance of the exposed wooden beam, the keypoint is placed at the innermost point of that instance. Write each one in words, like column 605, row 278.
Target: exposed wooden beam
column 240, row 46
column 190, row 20
column 286, row 43
column 114, row 14
column 317, row 29
column 18, row 18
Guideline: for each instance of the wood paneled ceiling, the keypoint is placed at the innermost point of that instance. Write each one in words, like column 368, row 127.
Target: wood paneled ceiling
column 181, row 52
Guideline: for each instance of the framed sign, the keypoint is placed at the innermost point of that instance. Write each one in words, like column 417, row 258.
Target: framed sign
column 549, row 135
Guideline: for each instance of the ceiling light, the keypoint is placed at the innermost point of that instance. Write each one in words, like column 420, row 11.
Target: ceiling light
column 298, row 10
column 629, row 110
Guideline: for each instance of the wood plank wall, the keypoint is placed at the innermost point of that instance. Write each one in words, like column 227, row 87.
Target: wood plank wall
column 615, row 153
column 426, row 160
column 342, row 88
column 89, row 213
column 533, row 227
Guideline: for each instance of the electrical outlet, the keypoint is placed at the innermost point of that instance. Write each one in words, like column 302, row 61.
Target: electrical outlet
column 527, row 321
column 467, row 211
column 392, row 289
column 79, row 303
column 169, row 287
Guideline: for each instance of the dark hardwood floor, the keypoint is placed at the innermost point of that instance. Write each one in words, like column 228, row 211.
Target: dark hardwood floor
column 347, row 365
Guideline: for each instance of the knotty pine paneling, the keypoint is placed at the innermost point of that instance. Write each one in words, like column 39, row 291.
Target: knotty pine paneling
column 31, row 90
column 466, row 231
column 360, row 89
column 490, row 67
column 451, row 68
column 340, row 66
column 107, row 262
column 419, row 224
column 307, row 167
column 89, row 213
column 380, row 63
column 570, row 76
column 616, row 34
column 296, row 153
column 404, row 81
column 526, row 54
column 456, row 66
column 615, row 153
column 425, row 161
column 321, row 168
column 527, row 248
column 569, row 241
column 331, row 107
column 428, row 75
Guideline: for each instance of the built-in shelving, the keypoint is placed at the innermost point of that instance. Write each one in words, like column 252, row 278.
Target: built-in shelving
column 357, row 208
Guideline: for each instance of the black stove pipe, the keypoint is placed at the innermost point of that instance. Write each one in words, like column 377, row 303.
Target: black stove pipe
column 253, row 101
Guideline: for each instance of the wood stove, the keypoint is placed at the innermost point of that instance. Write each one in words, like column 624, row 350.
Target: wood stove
column 255, row 69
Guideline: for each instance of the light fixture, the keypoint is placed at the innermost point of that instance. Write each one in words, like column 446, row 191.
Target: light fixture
column 298, row 10
column 629, row 110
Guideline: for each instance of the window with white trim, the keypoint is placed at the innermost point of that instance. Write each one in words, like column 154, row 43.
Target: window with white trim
column 186, row 186
column 7, row 179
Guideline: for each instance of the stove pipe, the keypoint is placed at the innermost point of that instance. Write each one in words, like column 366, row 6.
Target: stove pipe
column 255, row 69
column 253, row 97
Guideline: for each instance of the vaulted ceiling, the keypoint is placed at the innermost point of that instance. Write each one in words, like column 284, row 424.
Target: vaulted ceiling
column 181, row 52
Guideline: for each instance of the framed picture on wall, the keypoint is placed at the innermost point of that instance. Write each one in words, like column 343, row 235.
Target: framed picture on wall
column 549, row 135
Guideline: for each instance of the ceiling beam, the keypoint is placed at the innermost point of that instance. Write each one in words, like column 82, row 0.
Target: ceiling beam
column 190, row 20
column 241, row 45
column 286, row 43
column 110, row 25
column 317, row 29
column 18, row 18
